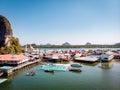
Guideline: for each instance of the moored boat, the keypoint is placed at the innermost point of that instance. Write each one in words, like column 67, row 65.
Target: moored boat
column 106, row 57
column 3, row 80
column 75, row 65
column 75, row 69
column 52, row 71
column 31, row 73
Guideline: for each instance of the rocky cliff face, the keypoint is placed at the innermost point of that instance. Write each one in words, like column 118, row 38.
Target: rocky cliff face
column 8, row 43
column 5, row 32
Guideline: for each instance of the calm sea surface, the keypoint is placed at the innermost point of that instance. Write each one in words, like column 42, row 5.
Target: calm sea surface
column 79, row 48
column 92, row 77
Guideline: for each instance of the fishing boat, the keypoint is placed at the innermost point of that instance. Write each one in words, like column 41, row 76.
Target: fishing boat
column 75, row 65
column 3, row 80
column 75, row 70
column 52, row 71
column 31, row 73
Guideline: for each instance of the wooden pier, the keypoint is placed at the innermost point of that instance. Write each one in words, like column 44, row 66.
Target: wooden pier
column 8, row 72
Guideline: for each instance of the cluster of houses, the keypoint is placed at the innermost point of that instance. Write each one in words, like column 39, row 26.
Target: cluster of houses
column 9, row 63
column 60, row 55
column 18, row 59
column 80, row 55
column 13, row 60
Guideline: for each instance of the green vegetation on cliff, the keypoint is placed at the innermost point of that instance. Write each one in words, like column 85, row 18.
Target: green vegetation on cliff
column 14, row 48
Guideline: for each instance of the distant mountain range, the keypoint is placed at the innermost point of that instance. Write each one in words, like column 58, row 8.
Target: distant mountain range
column 118, row 44
column 88, row 43
column 68, row 44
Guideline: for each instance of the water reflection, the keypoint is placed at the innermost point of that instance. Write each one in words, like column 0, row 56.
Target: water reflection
column 90, row 64
column 117, row 60
column 106, row 65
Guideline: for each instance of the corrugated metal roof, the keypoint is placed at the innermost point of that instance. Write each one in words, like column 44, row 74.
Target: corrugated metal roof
column 9, row 57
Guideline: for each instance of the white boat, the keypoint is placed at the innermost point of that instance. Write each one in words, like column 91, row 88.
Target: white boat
column 3, row 80
column 106, row 57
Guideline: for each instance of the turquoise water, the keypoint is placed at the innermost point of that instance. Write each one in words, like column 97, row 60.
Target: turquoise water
column 92, row 77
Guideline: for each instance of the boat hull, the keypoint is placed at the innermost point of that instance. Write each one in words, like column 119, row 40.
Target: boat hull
column 52, row 71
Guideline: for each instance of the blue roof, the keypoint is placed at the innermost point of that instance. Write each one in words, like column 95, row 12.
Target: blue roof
column 55, row 67
column 5, row 67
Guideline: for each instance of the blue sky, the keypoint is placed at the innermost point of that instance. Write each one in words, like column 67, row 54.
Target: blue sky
column 59, row 21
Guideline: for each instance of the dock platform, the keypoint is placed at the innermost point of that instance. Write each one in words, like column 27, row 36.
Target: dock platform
column 56, row 67
column 87, row 59
column 10, row 70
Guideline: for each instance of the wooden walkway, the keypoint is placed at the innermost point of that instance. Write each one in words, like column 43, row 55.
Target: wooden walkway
column 24, row 65
column 17, row 68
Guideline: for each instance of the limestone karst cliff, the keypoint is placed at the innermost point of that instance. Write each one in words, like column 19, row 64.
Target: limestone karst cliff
column 5, row 32
column 8, row 43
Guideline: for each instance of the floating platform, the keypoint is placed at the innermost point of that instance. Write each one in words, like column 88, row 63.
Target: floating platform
column 87, row 59
column 2, row 80
column 55, row 67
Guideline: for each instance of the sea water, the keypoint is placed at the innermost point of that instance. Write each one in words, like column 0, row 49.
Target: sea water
column 92, row 77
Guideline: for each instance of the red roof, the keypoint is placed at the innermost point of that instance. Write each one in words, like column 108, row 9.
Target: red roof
column 9, row 57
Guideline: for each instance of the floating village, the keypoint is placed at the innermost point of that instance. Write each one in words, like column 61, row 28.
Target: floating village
column 9, row 64
column 59, row 45
column 50, row 60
